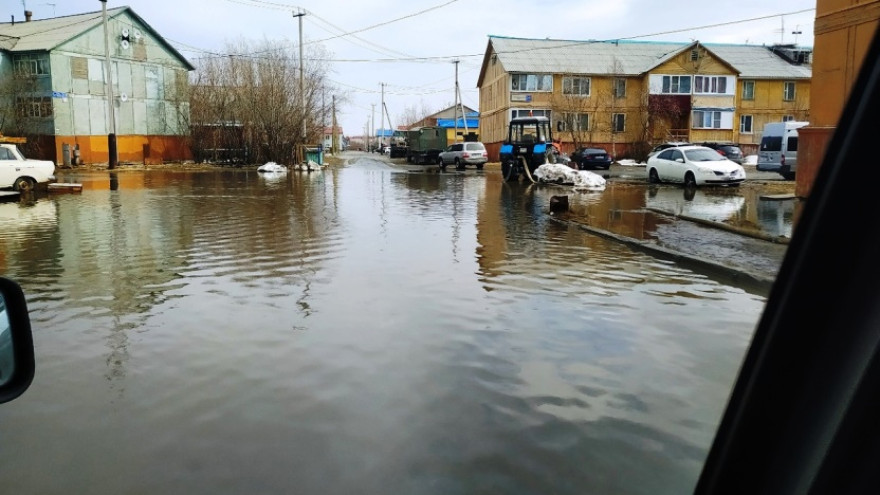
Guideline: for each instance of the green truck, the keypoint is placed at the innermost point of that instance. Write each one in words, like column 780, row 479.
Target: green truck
column 425, row 144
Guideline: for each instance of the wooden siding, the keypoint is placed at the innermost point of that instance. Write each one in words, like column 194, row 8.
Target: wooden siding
column 767, row 106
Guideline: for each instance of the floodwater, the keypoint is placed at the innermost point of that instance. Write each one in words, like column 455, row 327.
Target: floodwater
column 358, row 330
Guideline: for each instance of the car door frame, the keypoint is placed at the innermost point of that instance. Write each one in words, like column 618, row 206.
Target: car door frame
column 802, row 415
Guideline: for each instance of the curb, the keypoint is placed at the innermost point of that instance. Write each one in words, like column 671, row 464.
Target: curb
column 759, row 283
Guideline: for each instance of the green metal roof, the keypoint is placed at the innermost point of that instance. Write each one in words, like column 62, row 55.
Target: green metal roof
column 631, row 58
column 48, row 34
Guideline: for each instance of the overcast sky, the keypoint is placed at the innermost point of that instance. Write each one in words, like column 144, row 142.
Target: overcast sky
column 410, row 45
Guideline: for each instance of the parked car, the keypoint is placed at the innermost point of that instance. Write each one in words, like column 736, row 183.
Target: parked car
column 728, row 150
column 693, row 166
column 778, row 151
column 21, row 174
column 666, row 146
column 463, row 154
column 595, row 158
column 562, row 158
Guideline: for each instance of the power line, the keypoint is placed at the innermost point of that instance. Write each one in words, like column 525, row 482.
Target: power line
column 449, row 58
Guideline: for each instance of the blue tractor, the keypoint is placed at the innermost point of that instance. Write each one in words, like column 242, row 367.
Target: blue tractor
column 529, row 145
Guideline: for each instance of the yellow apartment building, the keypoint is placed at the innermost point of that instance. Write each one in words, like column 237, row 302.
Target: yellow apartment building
column 627, row 96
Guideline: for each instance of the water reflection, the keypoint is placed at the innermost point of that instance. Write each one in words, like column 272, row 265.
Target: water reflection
column 361, row 330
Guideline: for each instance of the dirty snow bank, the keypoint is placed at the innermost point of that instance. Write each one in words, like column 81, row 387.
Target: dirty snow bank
column 582, row 180
column 629, row 162
column 750, row 160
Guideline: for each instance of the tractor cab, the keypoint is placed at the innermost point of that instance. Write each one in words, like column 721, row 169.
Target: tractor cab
column 528, row 146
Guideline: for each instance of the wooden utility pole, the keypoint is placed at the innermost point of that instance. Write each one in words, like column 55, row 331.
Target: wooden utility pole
column 108, row 84
column 382, row 129
column 301, row 156
column 334, row 143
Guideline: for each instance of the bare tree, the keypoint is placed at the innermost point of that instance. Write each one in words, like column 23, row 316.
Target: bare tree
column 247, row 106
column 414, row 115
column 23, row 109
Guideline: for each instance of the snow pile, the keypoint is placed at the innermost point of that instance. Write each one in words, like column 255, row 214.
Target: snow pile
column 271, row 167
column 629, row 162
column 309, row 166
column 750, row 160
column 562, row 174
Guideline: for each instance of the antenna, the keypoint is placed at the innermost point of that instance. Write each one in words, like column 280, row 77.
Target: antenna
column 796, row 32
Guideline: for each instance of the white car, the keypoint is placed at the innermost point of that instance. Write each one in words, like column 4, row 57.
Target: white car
column 21, row 174
column 693, row 166
column 462, row 154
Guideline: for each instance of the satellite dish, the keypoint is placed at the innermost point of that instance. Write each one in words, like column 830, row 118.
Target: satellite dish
column 123, row 97
column 125, row 32
column 137, row 34
column 124, row 44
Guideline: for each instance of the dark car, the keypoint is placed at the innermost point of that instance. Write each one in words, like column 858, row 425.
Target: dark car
column 730, row 151
column 665, row 146
column 587, row 158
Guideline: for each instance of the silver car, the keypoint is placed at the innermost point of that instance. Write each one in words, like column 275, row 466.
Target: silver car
column 463, row 154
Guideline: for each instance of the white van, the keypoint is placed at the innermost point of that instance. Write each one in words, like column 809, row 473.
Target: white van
column 778, row 152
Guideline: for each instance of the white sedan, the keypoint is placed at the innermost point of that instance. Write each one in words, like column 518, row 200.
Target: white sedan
column 693, row 166
column 21, row 174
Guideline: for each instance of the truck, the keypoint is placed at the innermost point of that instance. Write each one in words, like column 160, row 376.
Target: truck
column 21, row 174
column 398, row 145
column 424, row 144
column 778, row 151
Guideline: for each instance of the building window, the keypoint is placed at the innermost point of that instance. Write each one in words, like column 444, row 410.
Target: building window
column 619, row 87
column 704, row 119
column 32, row 65
column 745, row 124
column 529, row 112
column 710, row 84
column 787, row 118
column 677, row 84
column 578, row 86
column 618, row 122
column 531, row 82
column 574, row 122
column 748, row 90
column 39, row 106
column 788, row 91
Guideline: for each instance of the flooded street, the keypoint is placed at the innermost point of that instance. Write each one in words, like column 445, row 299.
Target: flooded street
column 361, row 330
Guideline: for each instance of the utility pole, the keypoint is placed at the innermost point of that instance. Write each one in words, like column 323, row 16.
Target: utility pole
column 108, row 84
column 381, row 111
column 334, row 141
column 455, row 105
column 459, row 105
column 302, row 94
column 373, row 121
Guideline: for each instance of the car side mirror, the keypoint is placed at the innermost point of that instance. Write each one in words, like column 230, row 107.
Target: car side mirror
column 680, row 160
column 16, row 342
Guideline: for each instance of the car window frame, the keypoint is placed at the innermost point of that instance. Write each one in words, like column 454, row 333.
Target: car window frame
column 801, row 417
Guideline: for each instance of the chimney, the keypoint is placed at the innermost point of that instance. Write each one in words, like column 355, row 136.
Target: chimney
column 27, row 15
